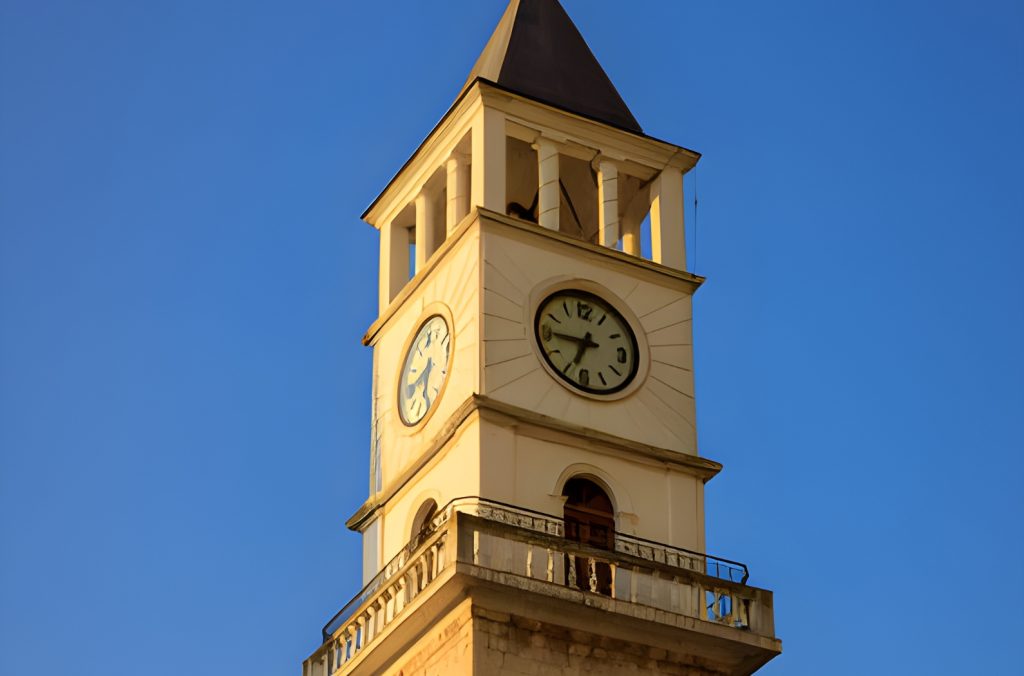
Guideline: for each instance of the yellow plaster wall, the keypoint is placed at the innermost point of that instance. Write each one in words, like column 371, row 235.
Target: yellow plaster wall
column 445, row 649
column 517, row 268
column 453, row 473
column 454, row 284
column 652, row 500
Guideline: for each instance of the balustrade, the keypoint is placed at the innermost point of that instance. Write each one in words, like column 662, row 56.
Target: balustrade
column 500, row 538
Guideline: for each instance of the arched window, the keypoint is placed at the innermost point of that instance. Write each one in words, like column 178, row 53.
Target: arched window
column 421, row 525
column 589, row 520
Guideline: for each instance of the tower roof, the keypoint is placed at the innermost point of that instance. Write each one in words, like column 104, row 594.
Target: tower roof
column 537, row 51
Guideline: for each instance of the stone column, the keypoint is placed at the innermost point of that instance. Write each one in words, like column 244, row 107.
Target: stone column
column 427, row 236
column 631, row 235
column 550, row 197
column 608, row 204
column 458, row 190
column 394, row 262
column 489, row 142
column 668, row 244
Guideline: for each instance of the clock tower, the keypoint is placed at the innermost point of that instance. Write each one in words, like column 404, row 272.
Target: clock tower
column 536, row 499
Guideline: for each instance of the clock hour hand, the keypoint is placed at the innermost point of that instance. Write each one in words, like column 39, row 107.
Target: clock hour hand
column 585, row 342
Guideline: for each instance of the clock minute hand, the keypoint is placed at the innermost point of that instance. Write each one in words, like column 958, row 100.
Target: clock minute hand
column 423, row 377
column 575, row 339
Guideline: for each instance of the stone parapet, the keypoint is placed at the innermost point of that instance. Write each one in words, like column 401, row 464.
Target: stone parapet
column 660, row 606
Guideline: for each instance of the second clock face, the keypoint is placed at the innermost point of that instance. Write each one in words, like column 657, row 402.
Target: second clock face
column 586, row 341
column 425, row 370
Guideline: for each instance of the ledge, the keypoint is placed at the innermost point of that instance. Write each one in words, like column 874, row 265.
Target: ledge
column 703, row 468
column 478, row 215
column 518, row 562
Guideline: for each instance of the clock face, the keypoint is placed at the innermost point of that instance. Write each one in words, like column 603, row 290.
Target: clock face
column 425, row 370
column 586, row 342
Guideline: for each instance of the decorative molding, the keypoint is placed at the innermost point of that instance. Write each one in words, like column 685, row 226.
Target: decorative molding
column 616, row 142
column 510, row 415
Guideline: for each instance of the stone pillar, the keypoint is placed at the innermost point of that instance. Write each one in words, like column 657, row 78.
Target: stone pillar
column 458, row 190
column 394, row 262
column 549, row 198
column 427, row 236
column 632, row 221
column 631, row 235
column 608, row 204
column 489, row 143
column 668, row 245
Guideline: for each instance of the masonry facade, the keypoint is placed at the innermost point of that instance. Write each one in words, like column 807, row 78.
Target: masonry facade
column 536, row 502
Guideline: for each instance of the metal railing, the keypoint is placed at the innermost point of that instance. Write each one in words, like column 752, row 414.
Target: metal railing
column 539, row 522
column 527, row 550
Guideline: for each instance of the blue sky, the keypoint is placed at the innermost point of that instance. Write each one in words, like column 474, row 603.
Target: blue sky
column 184, row 281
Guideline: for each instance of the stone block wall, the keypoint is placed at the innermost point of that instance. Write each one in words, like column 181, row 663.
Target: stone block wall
column 446, row 649
column 509, row 645
column 471, row 640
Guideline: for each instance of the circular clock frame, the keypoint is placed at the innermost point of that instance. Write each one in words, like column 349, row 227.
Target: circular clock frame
column 601, row 299
column 433, row 312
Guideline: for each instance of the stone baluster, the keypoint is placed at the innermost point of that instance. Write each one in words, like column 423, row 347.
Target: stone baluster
column 441, row 551
column 410, row 585
column 346, row 646
column 401, row 591
column 360, row 633
column 382, row 614
column 388, row 595
column 432, row 554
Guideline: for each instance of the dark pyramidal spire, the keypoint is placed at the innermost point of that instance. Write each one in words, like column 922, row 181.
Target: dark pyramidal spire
column 537, row 51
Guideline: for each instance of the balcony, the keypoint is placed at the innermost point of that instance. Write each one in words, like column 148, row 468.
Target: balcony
column 483, row 542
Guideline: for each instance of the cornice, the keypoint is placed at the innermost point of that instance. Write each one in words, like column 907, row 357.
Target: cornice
column 618, row 142
column 479, row 214
column 532, row 423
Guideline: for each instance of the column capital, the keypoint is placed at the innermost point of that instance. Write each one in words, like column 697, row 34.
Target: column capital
column 546, row 143
column 426, row 192
column 457, row 159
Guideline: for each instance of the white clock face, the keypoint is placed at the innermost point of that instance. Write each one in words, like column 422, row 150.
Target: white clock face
column 586, row 342
column 425, row 370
